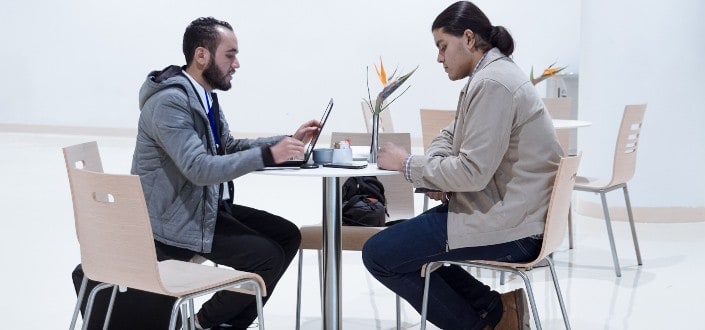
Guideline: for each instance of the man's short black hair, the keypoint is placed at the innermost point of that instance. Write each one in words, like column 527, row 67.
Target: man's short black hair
column 202, row 32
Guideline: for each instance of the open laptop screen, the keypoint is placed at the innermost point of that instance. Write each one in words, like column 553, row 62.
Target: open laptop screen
column 309, row 149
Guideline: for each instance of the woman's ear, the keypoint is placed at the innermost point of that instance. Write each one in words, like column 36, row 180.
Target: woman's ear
column 469, row 37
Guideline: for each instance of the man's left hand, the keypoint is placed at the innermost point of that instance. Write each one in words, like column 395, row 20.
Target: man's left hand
column 307, row 130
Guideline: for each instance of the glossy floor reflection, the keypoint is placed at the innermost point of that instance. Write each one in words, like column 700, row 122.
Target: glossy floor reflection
column 39, row 237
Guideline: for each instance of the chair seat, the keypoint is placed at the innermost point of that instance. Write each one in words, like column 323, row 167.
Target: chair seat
column 591, row 184
column 353, row 237
column 181, row 278
column 518, row 265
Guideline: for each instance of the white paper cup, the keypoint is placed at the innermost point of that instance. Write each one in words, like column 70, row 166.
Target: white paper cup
column 342, row 156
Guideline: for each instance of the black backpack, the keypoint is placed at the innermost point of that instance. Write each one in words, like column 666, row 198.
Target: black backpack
column 363, row 202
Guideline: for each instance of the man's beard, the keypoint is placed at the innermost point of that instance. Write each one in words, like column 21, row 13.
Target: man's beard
column 216, row 78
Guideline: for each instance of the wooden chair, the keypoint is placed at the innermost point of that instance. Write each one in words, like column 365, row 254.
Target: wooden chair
column 554, row 233
column 400, row 205
column 117, row 249
column 559, row 108
column 85, row 156
column 432, row 122
column 385, row 119
column 623, row 168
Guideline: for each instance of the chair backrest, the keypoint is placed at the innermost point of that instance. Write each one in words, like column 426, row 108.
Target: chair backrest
column 627, row 143
column 432, row 121
column 84, row 156
column 559, row 206
column 559, row 108
column 398, row 191
column 115, row 234
column 385, row 119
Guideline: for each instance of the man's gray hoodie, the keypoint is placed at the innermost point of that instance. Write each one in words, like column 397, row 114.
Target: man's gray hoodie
column 178, row 163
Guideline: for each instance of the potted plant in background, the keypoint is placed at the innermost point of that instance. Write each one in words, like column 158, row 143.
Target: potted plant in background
column 389, row 85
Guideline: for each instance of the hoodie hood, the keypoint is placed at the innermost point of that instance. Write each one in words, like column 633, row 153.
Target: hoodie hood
column 171, row 76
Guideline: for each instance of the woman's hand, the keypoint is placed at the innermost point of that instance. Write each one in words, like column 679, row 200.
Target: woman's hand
column 391, row 157
column 443, row 197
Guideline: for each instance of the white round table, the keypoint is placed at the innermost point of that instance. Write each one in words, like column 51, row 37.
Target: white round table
column 332, row 220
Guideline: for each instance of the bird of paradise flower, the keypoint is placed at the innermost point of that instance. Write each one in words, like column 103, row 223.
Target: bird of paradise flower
column 389, row 85
column 550, row 71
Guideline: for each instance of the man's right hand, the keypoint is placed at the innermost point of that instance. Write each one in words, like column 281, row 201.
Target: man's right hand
column 286, row 149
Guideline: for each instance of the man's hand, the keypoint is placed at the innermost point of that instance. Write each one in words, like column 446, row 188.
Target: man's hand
column 391, row 157
column 286, row 149
column 307, row 130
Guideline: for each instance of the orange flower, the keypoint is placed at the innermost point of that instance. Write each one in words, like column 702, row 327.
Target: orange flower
column 381, row 73
column 548, row 72
column 389, row 85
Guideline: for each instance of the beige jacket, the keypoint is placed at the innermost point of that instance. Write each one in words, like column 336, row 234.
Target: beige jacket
column 499, row 158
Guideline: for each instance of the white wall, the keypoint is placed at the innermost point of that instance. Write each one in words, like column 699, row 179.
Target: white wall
column 80, row 63
column 646, row 52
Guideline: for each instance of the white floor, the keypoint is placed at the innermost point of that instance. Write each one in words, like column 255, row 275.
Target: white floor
column 38, row 235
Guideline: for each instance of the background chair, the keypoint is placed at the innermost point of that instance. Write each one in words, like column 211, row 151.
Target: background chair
column 623, row 168
column 85, row 156
column 432, row 122
column 553, row 235
column 400, row 205
column 385, row 119
column 559, row 108
column 117, row 248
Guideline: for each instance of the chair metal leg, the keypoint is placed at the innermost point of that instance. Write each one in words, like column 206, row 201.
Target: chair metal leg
column 430, row 267
column 532, row 301
column 501, row 278
column 608, row 223
column 321, row 285
column 398, row 301
column 192, row 312
column 110, row 308
column 631, row 224
column 570, row 228
column 298, row 291
column 559, row 293
column 174, row 312
column 260, row 306
column 425, row 203
column 185, row 322
column 89, row 305
column 79, row 301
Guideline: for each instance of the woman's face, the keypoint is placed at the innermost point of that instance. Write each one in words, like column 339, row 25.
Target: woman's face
column 455, row 53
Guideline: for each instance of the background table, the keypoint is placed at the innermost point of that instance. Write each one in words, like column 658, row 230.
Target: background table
column 570, row 123
column 332, row 220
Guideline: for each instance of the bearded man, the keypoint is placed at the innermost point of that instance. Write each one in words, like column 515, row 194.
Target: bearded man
column 187, row 159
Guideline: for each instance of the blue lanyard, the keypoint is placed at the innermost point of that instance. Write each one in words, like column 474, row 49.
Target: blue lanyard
column 211, row 119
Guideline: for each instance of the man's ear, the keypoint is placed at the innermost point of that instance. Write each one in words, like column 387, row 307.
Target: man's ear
column 202, row 57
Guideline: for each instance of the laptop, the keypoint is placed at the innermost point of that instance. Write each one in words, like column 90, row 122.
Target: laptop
column 300, row 163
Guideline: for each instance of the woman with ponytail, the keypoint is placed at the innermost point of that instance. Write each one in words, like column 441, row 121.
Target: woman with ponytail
column 492, row 168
